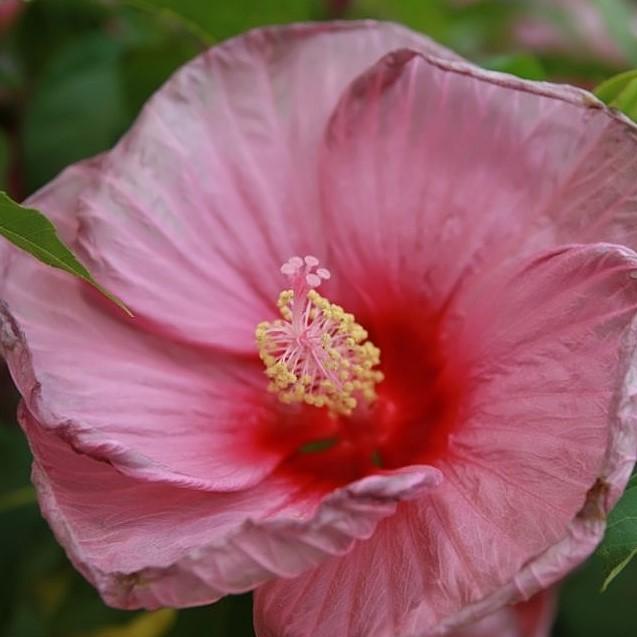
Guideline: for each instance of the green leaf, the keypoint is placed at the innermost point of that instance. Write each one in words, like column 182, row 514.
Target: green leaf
column 620, row 92
column 30, row 230
column 618, row 569
column 620, row 543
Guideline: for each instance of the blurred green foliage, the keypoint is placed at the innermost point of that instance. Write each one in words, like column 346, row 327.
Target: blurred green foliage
column 73, row 76
column 4, row 160
column 620, row 92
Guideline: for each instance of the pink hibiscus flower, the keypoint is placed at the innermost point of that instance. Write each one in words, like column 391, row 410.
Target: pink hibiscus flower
column 456, row 211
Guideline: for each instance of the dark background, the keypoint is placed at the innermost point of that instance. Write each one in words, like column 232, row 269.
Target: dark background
column 74, row 74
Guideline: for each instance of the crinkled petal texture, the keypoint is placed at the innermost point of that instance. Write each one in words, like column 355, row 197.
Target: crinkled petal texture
column 152, row 408
column 532, row 618
column 145, row 544
column 434, row 169
column 537, row 459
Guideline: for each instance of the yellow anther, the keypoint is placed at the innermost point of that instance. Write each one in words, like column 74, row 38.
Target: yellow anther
column 316, row 353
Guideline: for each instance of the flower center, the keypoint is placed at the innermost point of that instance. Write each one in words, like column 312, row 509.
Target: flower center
column 316, row 353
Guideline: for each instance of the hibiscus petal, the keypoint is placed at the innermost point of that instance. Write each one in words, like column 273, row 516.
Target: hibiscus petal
column 545, row 447
column 532, row 618
column 215, row 186
column 149, row 545
column 152, row 408
column 187, row 248
column 437, row 169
